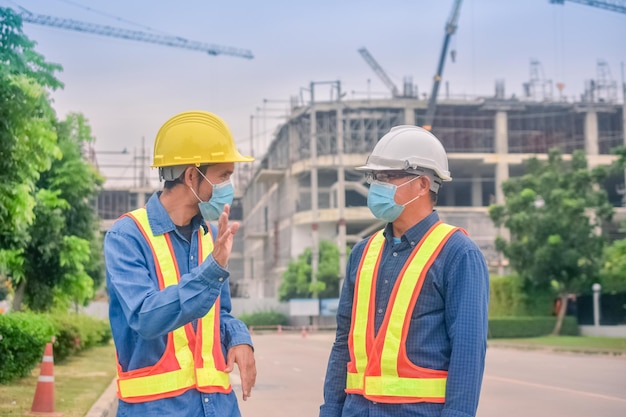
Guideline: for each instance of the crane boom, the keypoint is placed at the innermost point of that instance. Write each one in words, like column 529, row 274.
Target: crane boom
column 174, row 41
column 451, row 26
column 612, row 5
column 379, row 71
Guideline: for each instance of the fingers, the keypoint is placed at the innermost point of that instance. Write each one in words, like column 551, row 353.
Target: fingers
column 224, row 239
column 244, row 357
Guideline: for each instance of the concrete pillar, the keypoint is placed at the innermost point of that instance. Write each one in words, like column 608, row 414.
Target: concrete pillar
column 502, row 148
column 409, row 115
column 450, row 196
column 477, row 191
column 596, row 303
column 314, row 193
column 341, row 195
column 591, row 133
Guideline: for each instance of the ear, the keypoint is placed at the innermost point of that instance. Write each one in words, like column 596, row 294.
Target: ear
column 424, row 184
column 189, row 175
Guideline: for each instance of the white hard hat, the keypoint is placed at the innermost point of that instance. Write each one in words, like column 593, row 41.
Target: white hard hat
column 409, row 148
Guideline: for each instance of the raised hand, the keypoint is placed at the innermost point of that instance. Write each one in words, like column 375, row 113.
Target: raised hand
column 224, row 240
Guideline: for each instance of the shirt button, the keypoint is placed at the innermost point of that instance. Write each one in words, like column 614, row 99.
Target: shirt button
column 412, row 243
column 374, row 402
column 386, row 281
column 221, row 279
column 192, row 257
column 395, row 254
column 380, row 311
column 206, row 400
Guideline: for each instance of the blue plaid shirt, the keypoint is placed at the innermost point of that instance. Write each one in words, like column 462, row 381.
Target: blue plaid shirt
column 448, row 328
column 141, row 315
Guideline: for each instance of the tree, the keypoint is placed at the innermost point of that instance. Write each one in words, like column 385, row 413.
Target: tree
column 297, row 281
column 64, row 261
column 554, row 214
column 27, row 140
column 613, row 272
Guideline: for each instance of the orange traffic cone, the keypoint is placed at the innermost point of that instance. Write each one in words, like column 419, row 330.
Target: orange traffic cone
column 43, row 403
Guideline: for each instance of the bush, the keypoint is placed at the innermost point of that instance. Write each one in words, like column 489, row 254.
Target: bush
column 77, row 332
column 264, row 318
column 23, row 337
column 514, row 327
column 509, row 298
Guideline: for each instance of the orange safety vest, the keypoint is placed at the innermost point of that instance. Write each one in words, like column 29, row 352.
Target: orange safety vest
column 379, row 368
column 192, row 359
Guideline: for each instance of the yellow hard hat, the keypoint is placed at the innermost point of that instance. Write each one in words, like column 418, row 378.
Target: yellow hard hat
column 195, row 137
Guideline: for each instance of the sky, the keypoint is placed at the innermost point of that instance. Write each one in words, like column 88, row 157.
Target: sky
column 128, row 89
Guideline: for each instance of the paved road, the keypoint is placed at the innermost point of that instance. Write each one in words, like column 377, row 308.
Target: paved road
column 517, row 383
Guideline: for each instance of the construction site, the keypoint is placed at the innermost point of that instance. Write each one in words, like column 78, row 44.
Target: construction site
column 303, row 188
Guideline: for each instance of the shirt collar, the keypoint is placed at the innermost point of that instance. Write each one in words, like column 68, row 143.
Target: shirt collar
column 415, row 233
column 160, row 221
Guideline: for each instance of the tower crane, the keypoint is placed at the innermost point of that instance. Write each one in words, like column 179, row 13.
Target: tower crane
column 451, row 26
column 613, row 5
column 135, row 35
column 379, row 71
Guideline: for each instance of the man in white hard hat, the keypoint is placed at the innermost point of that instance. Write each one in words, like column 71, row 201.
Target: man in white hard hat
column 412, row 318
column 169, row 308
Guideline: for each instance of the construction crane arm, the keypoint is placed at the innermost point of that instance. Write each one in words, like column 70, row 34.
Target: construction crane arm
column 612, row 5
column 379, row 71
column 174, row 41
column 451, row 26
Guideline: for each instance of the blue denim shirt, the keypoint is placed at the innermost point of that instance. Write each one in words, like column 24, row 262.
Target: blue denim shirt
column 448, row 329
column 141, row 315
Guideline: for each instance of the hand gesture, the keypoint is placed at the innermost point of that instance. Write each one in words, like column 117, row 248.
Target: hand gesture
column 243, row 356
column 224, row 240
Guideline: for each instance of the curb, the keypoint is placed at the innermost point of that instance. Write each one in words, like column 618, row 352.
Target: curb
column 106, row 405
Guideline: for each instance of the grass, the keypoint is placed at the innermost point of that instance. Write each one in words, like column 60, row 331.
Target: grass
column 583, row 344
column 79, row 382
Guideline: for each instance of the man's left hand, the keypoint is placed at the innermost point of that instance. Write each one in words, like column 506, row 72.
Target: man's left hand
column 243, row 356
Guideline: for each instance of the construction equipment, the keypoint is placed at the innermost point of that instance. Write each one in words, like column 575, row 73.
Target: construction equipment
column 612, row 5
column 451, row 26
column 173, row 41
column 379, row 71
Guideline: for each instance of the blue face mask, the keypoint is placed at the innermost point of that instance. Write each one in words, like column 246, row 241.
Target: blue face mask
column 381, row 200
column 222, row 194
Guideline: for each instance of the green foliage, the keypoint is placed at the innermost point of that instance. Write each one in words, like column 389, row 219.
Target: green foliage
column 510, row 297
column 27, row 138
column 514, row 327
column 24, row 336
column 17, row 53
column 613, row 272
column 507, row 297
column 264, row 318
column 553, row 213
column 297, row 282
column 64, row 261
column 78, row 332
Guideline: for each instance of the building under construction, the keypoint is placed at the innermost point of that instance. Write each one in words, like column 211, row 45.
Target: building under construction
column 305, row 188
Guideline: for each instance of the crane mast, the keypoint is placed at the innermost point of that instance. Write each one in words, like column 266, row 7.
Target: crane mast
column 612, row 5
column 135, row 35
column 451, row 26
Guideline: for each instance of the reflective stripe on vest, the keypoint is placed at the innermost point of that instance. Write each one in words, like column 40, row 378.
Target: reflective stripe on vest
column 179, row 369
column 381, row 370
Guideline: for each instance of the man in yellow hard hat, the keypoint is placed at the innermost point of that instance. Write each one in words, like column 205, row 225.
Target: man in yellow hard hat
column 412, row 317
column 169, row 310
